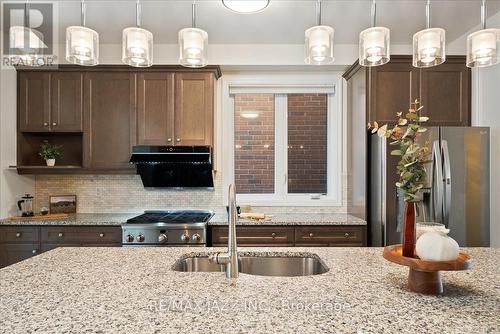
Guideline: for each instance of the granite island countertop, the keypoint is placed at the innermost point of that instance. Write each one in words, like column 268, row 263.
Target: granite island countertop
column 131, row 290
column 217, row 219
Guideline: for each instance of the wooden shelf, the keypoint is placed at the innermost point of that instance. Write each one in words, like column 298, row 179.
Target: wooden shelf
column 69, row 169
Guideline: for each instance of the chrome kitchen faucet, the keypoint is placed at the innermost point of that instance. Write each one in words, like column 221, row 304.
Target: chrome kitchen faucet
column 230, row 259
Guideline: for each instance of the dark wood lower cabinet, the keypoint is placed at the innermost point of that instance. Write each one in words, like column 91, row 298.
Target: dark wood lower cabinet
column 18, row 243
column 286, row 236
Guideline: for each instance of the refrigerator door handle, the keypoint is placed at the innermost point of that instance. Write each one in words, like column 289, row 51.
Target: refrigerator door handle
column 447, row 182
column 437, row 182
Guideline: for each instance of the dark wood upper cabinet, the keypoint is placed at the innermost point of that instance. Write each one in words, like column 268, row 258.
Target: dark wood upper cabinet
column 109, row 119
column 193, row 116
column 155, row 108
column 34, row 101
column 66, row 106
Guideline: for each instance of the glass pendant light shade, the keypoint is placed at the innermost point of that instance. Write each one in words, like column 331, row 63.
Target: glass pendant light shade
column 483, row 48
column 429, row 47
column 319, row 45
column 374, row 46
column 193, row 44
column 82, row 46
column 25, row 45
column 137, row 47
column 246, row 6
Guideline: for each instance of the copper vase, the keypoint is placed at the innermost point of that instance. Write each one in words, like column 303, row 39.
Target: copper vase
column 409, row 230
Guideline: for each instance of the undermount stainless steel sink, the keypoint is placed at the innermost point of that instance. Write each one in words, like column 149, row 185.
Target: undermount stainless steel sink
column 258, row 265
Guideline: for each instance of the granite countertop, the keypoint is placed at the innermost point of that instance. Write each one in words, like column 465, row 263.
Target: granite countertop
column 129, row 290
column 218, row 219
column 296, row 219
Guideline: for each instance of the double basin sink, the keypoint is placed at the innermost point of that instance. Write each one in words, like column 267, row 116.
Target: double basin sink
column 258, row 264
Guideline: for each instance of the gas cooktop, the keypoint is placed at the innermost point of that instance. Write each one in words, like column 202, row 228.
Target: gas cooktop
column 172, row 217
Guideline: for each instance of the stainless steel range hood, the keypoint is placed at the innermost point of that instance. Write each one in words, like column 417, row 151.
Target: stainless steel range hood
column 174, row 166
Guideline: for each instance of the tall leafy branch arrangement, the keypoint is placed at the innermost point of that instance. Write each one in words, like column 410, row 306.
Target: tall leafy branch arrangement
column 414, row 156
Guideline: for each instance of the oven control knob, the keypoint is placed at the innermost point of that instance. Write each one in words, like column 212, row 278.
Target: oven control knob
column 162, row 237
column 185, row 237
column 129, row 238
column 140, row 237
column 196, row 237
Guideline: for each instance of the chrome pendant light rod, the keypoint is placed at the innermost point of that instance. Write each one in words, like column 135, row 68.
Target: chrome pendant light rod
column 138, row 12
column 483, row 14
column 428, row 14
column 83, row 9
column 374, row 13
column 27, row 14
column 318, row 12
column 193, row 14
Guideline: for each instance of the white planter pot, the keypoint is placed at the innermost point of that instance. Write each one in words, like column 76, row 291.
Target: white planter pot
column 50, row 162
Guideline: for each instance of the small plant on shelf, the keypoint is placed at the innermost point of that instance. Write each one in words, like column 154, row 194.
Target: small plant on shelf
column 411, row 167
column 50, row 152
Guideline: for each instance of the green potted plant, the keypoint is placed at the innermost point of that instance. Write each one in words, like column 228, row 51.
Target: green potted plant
column 49, row 152
column 411, row 167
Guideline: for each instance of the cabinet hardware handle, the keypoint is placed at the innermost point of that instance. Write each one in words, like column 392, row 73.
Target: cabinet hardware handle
column 311, row 235
column 273, row 235
column 18, row 234
column 169, row 139
column 33, row 251
column 54, row 124
column 346, row 235
column 45, row 124
column 101, row 235
column 178, row 139
column 60, row 234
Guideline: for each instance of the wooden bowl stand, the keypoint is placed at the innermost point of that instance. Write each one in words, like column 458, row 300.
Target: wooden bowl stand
column 425, row 276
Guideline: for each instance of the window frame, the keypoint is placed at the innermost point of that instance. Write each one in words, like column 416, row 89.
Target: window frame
column 282, row 84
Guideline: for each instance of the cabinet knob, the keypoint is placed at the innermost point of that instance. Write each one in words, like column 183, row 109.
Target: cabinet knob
column 33, row 251
column 18, row 234
column 273, row 235
column 60, row 234
column 346, row 235
column 178, row 140
column 169, row 139
column 311, row 235
column 45, row 124
column 101, row 235
column 54, row 124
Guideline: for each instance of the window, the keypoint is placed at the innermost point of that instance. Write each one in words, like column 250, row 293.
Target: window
column 283, row 143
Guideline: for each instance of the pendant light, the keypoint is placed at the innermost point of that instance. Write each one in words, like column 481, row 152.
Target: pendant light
column 245, row 6
column 193, row 44
column 137, row 43
column 319, row 42
column 374, row 43
column 429, row 44
column 25, row 44
column 82, row 43
column 483, row 46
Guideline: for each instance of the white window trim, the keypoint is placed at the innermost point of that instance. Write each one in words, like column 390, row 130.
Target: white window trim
column 280, row 84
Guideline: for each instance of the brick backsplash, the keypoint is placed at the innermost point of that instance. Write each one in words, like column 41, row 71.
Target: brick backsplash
column 125, row 193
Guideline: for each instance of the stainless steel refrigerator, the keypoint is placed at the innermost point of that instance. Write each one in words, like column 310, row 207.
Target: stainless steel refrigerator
column 457, row 190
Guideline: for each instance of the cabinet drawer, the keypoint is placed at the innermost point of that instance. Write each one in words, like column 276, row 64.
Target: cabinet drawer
column 12, row 253
column 255, row 236
column 329, row 235
column 76, row 235
column 19, row 234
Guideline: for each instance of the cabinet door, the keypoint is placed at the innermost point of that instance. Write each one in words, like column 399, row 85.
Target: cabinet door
column 155, row 108
column 12, row 253
column 34, row 101
column 391, row 89
column 446, row 93
column 194, row 109
column 109, row 119
column 66, row 107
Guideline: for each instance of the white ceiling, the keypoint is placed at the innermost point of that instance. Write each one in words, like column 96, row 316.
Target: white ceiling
column 283, row 22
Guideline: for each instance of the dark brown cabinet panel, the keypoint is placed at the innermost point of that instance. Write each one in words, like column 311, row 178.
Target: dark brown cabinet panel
column 193, row 115
column 155, row 108
column 391, row 89
column 19, row 234
column 109, row 119
column 66, row 107
column 446, row 94
column 12, row 253
column 34, row 101
column 80, row 235
column 255, row 236
column 330, row 235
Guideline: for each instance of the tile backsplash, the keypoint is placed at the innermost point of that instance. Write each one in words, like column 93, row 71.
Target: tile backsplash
column 126, row 194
